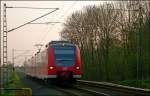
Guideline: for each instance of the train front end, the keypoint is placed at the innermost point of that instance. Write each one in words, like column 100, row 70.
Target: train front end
column 64, row 62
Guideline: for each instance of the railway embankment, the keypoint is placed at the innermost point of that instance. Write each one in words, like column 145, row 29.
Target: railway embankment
column 145, row 84
column 15, row 87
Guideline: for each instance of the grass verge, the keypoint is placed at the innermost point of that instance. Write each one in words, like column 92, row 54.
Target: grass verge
column 135, row 83
column 13, row 84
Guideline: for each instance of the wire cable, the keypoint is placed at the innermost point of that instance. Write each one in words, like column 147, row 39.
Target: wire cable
column 33, row 20
column 44, row 22
column 26, row 51
column 60, row 18
column 42, row 35
column 31, row 7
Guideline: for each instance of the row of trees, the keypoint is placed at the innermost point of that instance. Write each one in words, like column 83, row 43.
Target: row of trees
column 114, row 39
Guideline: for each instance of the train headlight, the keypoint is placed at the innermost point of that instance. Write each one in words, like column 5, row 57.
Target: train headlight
column 51, row 67
column 77, row 68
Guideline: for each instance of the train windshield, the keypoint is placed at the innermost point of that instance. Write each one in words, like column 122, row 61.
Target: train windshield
column 64, row 56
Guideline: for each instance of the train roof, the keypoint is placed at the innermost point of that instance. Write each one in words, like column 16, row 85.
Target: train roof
column 56, row 42
column 53, row 43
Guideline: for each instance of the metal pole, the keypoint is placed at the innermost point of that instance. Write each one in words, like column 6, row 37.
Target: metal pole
column 5, row 69
column 0, row 58
column 13, row 59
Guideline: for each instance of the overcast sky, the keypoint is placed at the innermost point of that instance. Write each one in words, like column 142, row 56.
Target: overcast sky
column 26, row 37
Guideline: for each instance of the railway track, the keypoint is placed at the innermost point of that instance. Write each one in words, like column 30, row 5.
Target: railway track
column 114, row 89
column 91, row 88
column 91, row 91
column 77, row 91
column 74, row 90
column 82, row 90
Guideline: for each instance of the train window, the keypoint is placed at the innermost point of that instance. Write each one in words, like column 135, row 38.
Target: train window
column 64, row 57
column 64, row 51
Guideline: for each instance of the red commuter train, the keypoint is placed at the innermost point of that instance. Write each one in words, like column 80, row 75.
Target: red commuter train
column 60, row 62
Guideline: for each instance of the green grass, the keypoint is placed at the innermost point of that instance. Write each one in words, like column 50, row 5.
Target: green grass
column 135, row 83
column 13, row 83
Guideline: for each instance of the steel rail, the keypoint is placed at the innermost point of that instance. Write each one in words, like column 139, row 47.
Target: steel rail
column 72, row 91
column 116, row 87
column 92, row 91
column 42, row 82
column 68, row 92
